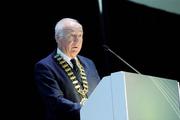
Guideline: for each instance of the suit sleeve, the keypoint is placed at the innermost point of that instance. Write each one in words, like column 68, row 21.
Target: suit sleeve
column 52, row 93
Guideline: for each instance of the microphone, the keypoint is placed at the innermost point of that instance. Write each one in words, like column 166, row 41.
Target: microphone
column 108, row 49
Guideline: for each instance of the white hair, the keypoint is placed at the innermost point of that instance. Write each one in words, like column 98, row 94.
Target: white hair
column 59, row 28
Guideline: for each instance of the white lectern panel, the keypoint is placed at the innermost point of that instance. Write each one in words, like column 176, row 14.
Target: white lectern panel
column 130, row 96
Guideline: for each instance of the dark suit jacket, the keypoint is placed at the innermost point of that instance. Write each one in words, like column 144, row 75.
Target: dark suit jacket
column 58, row 93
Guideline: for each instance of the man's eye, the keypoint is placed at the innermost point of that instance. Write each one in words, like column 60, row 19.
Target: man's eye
column 69, row 36
column 80, row 35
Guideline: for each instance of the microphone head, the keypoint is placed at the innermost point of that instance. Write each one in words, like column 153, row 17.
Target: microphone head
column 105, row 47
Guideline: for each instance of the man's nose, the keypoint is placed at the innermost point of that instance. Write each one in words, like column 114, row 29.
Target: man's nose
column 76, row 39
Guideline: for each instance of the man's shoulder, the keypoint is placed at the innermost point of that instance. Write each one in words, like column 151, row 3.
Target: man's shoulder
column 85, row 60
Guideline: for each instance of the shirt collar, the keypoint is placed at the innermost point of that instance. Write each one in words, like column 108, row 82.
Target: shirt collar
column 65, row 57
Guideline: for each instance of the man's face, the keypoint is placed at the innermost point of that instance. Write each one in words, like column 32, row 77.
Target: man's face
column 71, row 42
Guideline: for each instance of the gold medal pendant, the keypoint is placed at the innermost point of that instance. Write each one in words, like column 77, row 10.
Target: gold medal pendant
column 83, row 101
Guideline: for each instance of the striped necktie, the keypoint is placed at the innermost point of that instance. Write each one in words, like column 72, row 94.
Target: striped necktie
column 76, row 70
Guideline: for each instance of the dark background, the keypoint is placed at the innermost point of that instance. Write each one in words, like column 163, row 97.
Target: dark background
column 147, row 38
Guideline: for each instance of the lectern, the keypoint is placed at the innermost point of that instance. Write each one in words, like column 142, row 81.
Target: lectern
column 130, row 96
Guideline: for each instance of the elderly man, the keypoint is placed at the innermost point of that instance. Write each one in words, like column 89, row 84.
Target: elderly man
column 65, row 79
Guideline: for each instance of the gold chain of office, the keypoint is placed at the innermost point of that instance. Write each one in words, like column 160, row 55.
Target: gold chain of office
column 83, row 92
